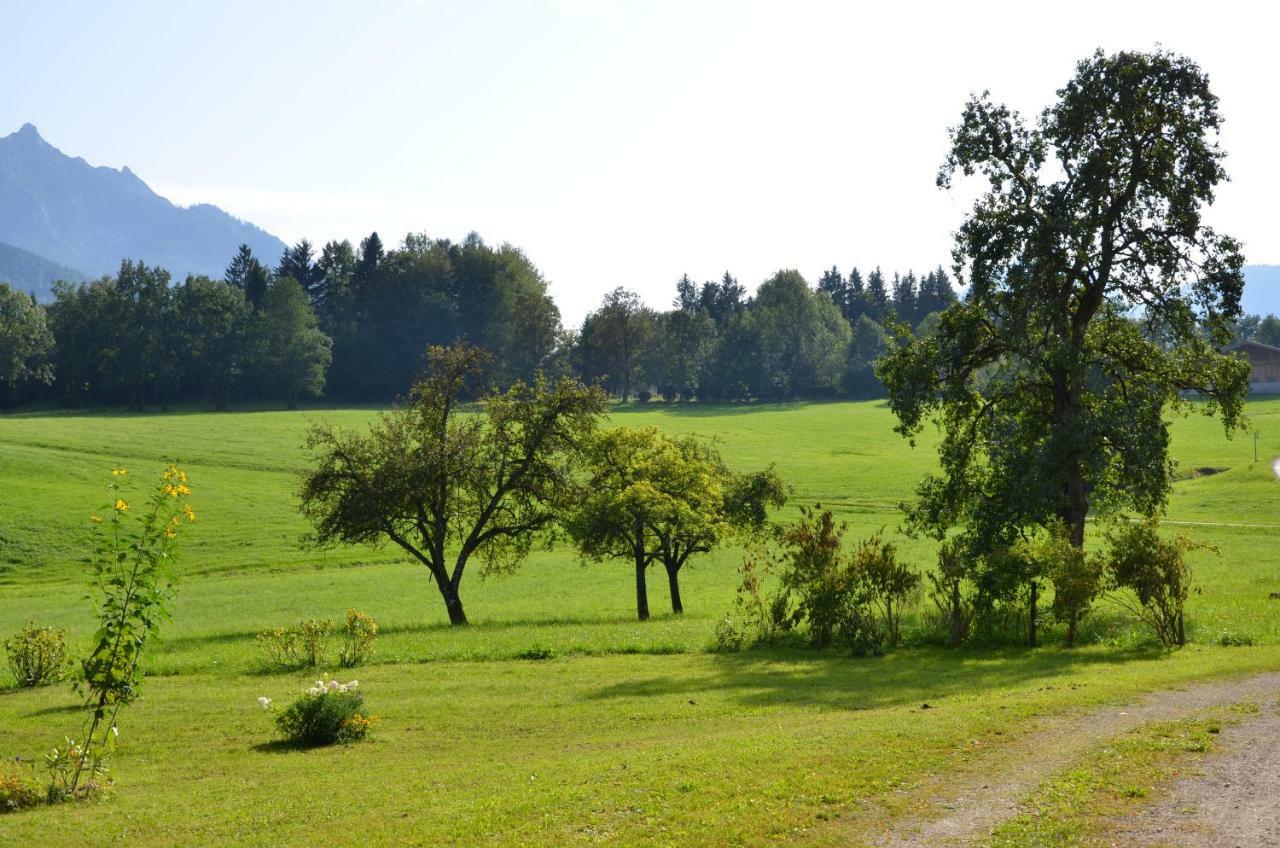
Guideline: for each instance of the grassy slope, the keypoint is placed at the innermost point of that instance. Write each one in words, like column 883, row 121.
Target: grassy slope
column 578, row 748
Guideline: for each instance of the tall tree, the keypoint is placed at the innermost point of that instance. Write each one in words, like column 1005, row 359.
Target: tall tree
column 293, row 354
column 614, row 340
column 213, row 320
column 299, row 262
column 444, row 485
column 877, row 295
column 1051, row 399
column 802, row 339
column 26, row 345
column 249, row 275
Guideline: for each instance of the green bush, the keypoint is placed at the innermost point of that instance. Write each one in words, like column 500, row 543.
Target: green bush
column 19, row 788
column 326, row 713
column 37, row 655
column 357, row 639
column 1155, row 571
column 305, row 644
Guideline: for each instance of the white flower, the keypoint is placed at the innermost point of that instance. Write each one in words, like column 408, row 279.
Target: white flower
column 333, row 686
column 265, row 703
column 115, row 731
column 353, row 684
column 342, row 690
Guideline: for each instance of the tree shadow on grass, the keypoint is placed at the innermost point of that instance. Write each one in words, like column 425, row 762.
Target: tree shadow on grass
column 770, row 678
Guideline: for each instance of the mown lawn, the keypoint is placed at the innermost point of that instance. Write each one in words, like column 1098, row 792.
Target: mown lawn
column 630, row 733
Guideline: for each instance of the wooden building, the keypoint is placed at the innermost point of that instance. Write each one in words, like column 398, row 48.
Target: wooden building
column 1265, row 362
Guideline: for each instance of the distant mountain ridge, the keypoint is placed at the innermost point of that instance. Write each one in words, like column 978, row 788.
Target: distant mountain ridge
column 32, row 274
column 88, row 219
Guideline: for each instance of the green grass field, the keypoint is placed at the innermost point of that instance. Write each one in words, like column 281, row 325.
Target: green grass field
column 630, row 733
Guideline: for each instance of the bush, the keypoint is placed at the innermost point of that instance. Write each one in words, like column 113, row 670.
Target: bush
column 37, row 655
column 305, row 644
column 357, row 639
column 1155, row 571
column 644, row 396
column 326, row 713
column 954, row 607
column 19, row 788
column 888, row 583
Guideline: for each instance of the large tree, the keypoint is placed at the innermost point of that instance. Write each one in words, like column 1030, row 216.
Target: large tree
column 213, row 321
column 1051, row 397
column 26, row 344
column 615, row 339
column 292, row 355
column 654, row 498
column 447, row 485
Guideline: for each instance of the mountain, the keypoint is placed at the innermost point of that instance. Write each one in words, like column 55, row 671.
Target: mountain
column 90, row 218
column 27, row 272
column 1261, row 290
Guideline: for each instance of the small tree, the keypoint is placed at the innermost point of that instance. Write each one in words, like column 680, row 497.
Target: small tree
column 1156, row 572
column 651, row 498
column 439, row 483
column 1076, row 578
column 948, row 593
column 889, row 582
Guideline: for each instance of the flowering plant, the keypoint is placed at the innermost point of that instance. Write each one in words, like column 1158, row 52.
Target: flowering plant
column 133, row 551
column 327, row 712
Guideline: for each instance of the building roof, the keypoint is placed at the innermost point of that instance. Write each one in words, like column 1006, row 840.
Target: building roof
column 1246, row 345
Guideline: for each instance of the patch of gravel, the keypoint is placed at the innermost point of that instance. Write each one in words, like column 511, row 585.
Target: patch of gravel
column 1234, row 801
column 996, row 785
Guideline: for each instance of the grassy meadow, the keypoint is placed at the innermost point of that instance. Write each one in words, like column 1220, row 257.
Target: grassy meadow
column 621, row 732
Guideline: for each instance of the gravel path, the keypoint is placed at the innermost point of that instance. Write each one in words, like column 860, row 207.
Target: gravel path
column 1015, row 771
column 1234, row 802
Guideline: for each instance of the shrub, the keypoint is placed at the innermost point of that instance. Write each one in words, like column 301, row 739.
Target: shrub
column 326, row 713
column 280, row 644
column 1155, row 571
column 357, row 639
column 305, row 644
column 888, row 583
column 644, row 396
column 19, row 789
column 1076, row 578
column 955, row 609
column 37, row 655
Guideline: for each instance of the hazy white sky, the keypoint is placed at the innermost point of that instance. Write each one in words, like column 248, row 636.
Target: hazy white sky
column 618, row 143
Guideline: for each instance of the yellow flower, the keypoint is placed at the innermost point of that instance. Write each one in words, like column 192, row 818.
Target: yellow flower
column 182, row 476
column 170, row 532
column 175, row 521
column 184, row 489
column 171, row 490
column 96, row 519
column 189, row 512
column 122, row 505
column 118, row 472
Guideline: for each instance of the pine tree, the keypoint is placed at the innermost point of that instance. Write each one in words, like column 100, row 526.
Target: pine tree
column 878, row 295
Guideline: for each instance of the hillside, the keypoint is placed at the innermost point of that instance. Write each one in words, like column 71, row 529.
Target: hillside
column 27, row 272
column 90, row 218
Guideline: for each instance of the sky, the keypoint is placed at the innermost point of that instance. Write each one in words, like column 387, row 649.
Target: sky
column 617, row 143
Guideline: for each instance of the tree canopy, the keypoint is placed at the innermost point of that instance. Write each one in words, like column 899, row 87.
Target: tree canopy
column 1051, row 396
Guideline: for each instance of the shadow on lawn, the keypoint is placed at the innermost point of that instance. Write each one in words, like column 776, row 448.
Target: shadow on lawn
column 721, row 410
column 914, row 675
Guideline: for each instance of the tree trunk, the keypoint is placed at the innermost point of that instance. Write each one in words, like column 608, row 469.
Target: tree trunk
column 1031, row 630
column 452, row 602
column 956, row 622
column 642, row 592
column 1072, row 625
column 673, row 580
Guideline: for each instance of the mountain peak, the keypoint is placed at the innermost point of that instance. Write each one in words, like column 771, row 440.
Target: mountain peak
column 28, row 133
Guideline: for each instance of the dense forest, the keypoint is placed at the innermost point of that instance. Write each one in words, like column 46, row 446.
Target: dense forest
column 351, row 324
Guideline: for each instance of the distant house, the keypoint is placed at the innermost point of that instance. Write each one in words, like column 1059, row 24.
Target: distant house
column 1265, row 362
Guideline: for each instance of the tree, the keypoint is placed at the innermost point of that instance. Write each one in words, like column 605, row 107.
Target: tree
column 867, row 343
column 1268, row 331
column 26, row 344
column 1050, row 398
column 904, row 298
column 299, row 263
column 214, row 321
column 249, row 275
column 653, row 498
column 877, row 296
column 441, row 483
column 614, row 340
column 292, row 353
column 802, row 339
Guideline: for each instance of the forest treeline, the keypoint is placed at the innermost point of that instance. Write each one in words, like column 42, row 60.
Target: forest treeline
column 351, row 324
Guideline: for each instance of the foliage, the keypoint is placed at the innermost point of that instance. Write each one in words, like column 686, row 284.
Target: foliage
column 292, row 353
column 133, row 550
column 889, row 582
column 25, row 341
column 1156, row 572
column 1051, row 395
column 436, row 482
column 1077, row 579
column 614, row 341
column 279, row 646
column 653, row 498
column 37, row 655
column 19, row 788
column 358, row 637
column 948, row 592
column 325, row 714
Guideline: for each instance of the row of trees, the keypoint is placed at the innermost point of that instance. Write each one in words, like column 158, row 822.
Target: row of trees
column 350, row 323
column 451, row 488
column 788, row 341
